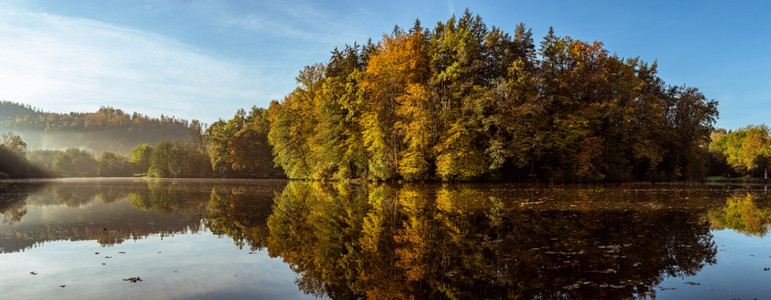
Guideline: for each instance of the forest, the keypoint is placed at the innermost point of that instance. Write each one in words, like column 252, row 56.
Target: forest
column 166, row 159
column 461, row 101
column 464, row 101
column 95, row 131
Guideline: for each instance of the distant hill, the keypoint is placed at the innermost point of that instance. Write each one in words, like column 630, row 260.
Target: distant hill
column 107, row 129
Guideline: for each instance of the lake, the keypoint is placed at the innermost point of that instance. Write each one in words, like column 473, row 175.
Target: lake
column 261, row 239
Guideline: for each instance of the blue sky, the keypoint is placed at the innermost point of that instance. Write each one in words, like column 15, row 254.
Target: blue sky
column 205, row 59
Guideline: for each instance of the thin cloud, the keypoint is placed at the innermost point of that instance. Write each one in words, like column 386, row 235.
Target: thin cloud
column 302, row 21
column 63, row 64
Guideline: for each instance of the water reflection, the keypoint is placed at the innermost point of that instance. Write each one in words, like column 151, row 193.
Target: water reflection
column 113, row 211
column 241, row 214
column 422, row 241
column 79, row 211
column 456, row 242
column 12, row 196
column 741, row 213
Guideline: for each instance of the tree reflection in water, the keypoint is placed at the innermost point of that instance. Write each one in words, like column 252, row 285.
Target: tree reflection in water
column 97, row 210
column 240, row 213
column 412, row 241
column 459, row 242
column 12, row 196
column 741, row 213
column 75, row 213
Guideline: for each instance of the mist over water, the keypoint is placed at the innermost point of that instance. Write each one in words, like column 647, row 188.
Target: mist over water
column 95, row 141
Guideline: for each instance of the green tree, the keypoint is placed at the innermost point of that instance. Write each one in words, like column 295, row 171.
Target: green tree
column 141, row 158
column 239, row 147
column 337, row 144
column 293, row 122
column 249, row 149
column 216, row 137
column 458, row 79
column 111, row 164
column 690, row 119
column 178, row 160
column 75, row 162
column 745, row 150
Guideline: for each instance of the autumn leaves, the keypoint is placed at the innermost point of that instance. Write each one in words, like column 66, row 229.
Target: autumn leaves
column 463, row 102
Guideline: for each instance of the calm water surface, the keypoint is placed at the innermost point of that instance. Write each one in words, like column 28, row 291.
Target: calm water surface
column 206, row 239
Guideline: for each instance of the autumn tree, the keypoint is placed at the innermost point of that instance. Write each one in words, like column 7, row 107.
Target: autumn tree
column 745, row 150
column 397, row 122
column 464, row 101
column 293, row 123
column 239, row 147
column 337, row 143
column 14, row 143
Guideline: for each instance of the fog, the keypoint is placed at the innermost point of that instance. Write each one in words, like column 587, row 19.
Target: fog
column 98, row 141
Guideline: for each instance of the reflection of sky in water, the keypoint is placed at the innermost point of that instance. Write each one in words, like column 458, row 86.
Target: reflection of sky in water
column 183, row 266
column 167, row 244
column 738, row 273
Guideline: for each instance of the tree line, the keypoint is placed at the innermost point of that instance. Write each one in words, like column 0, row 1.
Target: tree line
column 94, row 130
column 167, row 159
column 464, row 101
column 745, row 151
column 19, row 116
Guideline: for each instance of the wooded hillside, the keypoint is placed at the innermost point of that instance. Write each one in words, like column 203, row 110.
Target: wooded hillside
column 107, row 129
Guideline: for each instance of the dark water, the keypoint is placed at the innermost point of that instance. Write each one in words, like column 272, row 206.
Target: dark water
column 283, row 240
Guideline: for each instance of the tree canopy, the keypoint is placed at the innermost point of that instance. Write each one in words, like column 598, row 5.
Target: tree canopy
column 746, row 150
column 464, row 101
column 239, row 147
column 13, row 160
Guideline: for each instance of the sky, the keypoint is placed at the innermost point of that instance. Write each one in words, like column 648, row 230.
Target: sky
column 206, row 59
